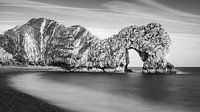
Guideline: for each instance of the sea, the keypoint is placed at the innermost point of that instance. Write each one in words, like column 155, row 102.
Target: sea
column 111, row 92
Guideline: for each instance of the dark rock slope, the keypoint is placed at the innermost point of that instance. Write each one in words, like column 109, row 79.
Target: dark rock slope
column 6, row 58
column 46, row 42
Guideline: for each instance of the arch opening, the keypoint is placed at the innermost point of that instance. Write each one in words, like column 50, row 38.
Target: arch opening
column 135, row 61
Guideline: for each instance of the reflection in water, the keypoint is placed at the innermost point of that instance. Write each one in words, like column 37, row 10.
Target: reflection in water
column 87, row 92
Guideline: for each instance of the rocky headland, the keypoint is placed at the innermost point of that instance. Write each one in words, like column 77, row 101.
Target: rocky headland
column 44, row 42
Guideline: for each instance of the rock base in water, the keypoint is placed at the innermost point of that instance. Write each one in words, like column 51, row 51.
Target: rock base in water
column 46, row 42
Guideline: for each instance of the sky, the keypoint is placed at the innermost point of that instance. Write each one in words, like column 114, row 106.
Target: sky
column 179, row 18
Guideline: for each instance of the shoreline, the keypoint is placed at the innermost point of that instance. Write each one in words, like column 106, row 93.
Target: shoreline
column 76, row 92
column 12, row 100
column 9, row 69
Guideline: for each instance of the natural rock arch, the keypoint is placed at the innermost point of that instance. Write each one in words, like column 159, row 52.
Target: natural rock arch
column 152, row 43
column 46, row 42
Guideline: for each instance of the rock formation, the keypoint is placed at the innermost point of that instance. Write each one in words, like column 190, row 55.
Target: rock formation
column 6, row 58
column 46, row 42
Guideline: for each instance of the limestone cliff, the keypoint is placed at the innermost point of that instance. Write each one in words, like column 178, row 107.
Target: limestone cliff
column 46, row 42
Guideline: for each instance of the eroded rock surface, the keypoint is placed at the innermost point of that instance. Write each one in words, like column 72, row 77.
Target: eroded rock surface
column 6, row 58
column 46, row 42
column 152, row 43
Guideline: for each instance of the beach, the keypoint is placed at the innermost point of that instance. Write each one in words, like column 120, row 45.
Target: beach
column 50, row 89
column 12, row 100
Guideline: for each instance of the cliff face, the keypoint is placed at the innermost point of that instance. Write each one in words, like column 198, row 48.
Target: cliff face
column 46, row 42
column 6, row 58
column 43, row 42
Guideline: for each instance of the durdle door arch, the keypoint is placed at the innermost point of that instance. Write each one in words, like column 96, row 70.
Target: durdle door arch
column 152, row 44
column 46, row 42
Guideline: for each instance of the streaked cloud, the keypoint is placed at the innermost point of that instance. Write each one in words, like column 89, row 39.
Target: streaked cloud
column 107, row 17
column 48, row 6
column 10, row 13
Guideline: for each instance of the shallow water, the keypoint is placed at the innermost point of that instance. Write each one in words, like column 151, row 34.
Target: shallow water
column 101, row 92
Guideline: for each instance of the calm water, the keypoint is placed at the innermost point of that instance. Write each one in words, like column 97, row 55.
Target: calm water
column 101, row 92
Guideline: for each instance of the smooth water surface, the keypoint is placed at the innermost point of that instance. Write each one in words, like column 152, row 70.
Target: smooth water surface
column 106, row 92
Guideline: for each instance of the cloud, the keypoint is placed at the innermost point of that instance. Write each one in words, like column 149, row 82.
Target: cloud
column 160, row 6
column 110, row 17
column 102, row 33
column 9, row 13
column 10, row 21
column 115, row 13
column 150, row 10
column 48, row 6
column 5, row 27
